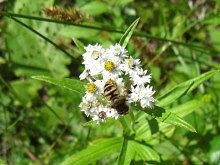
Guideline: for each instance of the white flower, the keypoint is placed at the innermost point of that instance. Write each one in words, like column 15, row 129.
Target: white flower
column 93, row 51
column 142, row 94
column 140, row 77
column 112, row 113
column 118, row 50
column 92, row 60
column 100, row 114
column 88, row 106
column 93, row 90
column 134, row 95
column 146, row 97
column 83, row 75
column 130, row 65
column 113, row 63
column 103, row 112
column 93, row 67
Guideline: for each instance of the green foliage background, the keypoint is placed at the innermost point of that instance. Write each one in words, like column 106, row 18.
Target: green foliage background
column 41, row 123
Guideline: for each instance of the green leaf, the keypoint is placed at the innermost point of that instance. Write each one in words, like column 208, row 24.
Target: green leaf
column 134, row 150
column 127, row 35
column 190, row 106
column 70, row 84
column 154, row 126
column 144, row 152
column 181, row 110
column 184, row 88
column 214, row 150
column 126, row 154
column 95, row 8
column 126, row 124
column 94, row 152
column 173, row 119
column 89, row 123
column 79, row 44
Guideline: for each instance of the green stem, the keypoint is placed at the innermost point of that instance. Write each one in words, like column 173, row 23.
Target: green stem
column 132, row 119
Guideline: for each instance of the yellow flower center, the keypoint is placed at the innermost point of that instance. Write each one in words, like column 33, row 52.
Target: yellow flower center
column 109, row 65
column 91, row 87
column 95, row 54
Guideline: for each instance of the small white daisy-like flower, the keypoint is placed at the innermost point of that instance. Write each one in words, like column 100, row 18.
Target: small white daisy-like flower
column 88, row 106
column 140, row 77
column 111, row 64
column 130, row 65
column 118, row 50
column 93, row 51
column 142, row 94
column 83, row 75
column 100, row 114
column 146, row 97
column 126, row 75
column 92, row 60
column 112, row 113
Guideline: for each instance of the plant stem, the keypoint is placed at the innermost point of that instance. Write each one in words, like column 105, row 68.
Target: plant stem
column 132, row 119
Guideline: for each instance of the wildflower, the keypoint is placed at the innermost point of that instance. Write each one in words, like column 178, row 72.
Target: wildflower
column 142, row 94
column 131, row 81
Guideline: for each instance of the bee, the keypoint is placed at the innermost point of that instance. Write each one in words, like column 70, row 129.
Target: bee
column 117, row 101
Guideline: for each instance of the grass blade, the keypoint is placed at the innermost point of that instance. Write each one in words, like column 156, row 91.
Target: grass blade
column 128, row 33
column 79, row 44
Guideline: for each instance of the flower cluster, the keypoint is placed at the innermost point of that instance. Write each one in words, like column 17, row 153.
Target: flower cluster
column 115, row 64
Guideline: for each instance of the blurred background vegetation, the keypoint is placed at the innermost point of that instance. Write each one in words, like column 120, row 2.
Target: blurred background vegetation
column 42, row 124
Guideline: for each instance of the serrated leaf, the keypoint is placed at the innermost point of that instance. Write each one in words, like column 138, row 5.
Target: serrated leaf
column 128, row 33
column 171, row 118
column 70, row 84
column 181, row 110
column 183, row 88
column 94, row 152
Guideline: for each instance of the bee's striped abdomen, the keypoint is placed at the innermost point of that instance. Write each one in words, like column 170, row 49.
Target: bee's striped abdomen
column 110, row 90
column 117, row 101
